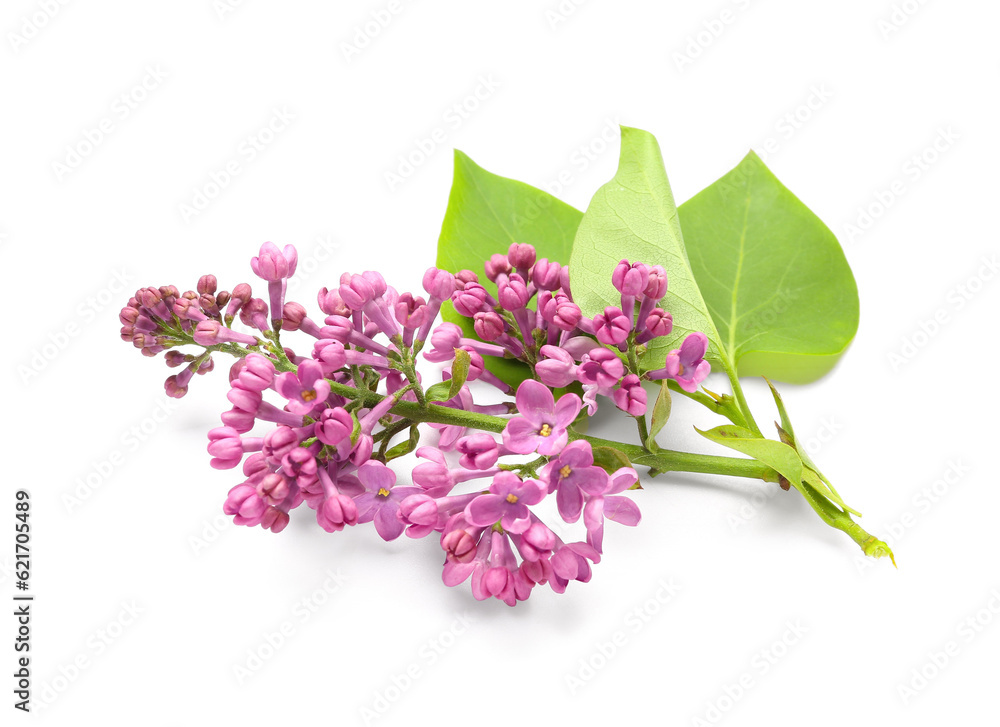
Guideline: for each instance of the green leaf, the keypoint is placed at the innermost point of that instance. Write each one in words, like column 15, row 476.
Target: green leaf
column 406, row 447
column 774, row 277
column 633, row 217
column 459, row 372
column 661, row 412
column 441, row 391
column 610, row 459
column 486, row 213
column 780, row 457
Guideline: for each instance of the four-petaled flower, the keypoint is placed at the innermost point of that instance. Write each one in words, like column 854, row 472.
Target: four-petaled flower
column 507, row 503
column 571, row 475
column 305, row 389
column 543, row 422
column 381, row 498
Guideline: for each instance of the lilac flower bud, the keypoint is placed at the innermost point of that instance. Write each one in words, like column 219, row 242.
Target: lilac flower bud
column 245, row 504
column 546, row 275
column 334, row 428
column 489, row 325
column 273, row 489
column 357, row 292
column 207, row 284
column 376, row 281
column 336, row 512
column 240, row 296
column 226, row 448
column 658, row 323
column 331, row 303
column 410, row 311
column 209, row 305
column 498, row 265
column 330, row 354
column 470, row 300
column 459, row 545
column 257, row 373
column 292, row 316
column 612, row 326
column 274, row 264
column 559, row 310
column 656, row 286
column 479, row 451
column 439, row 284
column 128, row 315
column 254, row 313
column 521, row 256
column 601, row 367
column 419, row 510
column 221, row 298
column 187, row 309
column 630, row 397
column 176, row 386
column 513, row 294
column 558, row 369
column 631, row 279
column 446, row 337
column 279, row 442
column 176, row 358
column 464, row 277
column 210, row 333
column 241, row 421
column 274, row 520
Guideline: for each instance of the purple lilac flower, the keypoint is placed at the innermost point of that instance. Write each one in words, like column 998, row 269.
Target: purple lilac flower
column 542, row 426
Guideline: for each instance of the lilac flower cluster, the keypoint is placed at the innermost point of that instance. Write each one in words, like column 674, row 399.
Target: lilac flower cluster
column 559, row 343
column 334, row 411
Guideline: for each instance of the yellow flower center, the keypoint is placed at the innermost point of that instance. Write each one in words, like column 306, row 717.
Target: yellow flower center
column 511, row 498
column 308, row 395
column 382, row 492
column 680, row 369
column 564, row 472
column 545, row 431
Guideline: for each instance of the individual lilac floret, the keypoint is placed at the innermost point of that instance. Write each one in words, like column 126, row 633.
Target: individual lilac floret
column 630, row 397
column 612, row 506
column 275, row 266
column 572, row 475
column 687, row 364
column 542, row 426
column 380, row 500
column 305, row 389
column 612, row 326
column 507, row 502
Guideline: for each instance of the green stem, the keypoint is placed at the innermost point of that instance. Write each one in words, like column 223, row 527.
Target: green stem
column 741, row 400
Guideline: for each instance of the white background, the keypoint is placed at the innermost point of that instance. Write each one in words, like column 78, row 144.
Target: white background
column 904, row 411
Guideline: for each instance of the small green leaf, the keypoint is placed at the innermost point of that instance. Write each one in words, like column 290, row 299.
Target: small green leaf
column 459, row 372
column 406, row 447
column 633, row 217
column 661, row 412
column 780, row 457
column 610, row 459
column 486, row 213
column 440, row 391
column 774, row 277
